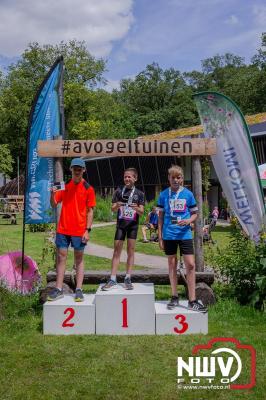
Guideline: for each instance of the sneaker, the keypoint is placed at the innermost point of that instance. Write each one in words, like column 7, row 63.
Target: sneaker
column 55, row 294
column 110, row 285
column 174, row 302
column 145, row 241
column 128, row 284
column 79, row 295
column 195, row 305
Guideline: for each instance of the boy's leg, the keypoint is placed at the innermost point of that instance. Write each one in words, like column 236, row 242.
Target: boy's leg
column 79, row 263
column 61, row 257
column 57, row 292
column 131, row 244
column 172, row 263
column 189, row 261
column 118, row 246
column 144, row 234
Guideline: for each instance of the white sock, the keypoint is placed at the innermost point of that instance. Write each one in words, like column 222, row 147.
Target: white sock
column 78, row 288
column 113, row 278
column 59, row 289
column 127, row 276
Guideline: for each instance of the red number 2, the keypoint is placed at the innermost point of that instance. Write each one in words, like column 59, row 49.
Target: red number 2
column 124, row 303
column 181, row 319
column 66, row 323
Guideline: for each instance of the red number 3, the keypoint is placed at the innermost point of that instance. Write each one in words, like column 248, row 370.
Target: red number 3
column 66, row 323
column 181, row 319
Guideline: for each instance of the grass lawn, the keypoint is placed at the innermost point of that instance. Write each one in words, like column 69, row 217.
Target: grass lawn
column 105, row 237
column 40, row 249
column 109, row 367
column 112, row 367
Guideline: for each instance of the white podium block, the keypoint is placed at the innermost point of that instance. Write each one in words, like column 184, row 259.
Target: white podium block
column 180, row 320
column 126, row 312
column 67, row 317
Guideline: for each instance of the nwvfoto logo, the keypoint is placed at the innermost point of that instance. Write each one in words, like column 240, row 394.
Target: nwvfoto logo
column 35, row 207
column 224, row 362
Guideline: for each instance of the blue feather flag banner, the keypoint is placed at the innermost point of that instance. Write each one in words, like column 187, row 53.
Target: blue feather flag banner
column 44, row 124
column 235, row 160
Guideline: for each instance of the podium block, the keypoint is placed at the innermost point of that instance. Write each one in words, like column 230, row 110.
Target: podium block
column 66, row 317
column 180, row 320
column 126, row 312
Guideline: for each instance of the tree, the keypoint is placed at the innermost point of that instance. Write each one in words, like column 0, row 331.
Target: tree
column 19, row 87
column 158, row 100
column 260, row 58
column 6, row 160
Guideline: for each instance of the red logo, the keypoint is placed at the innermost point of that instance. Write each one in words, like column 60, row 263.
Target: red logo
column 223, row 361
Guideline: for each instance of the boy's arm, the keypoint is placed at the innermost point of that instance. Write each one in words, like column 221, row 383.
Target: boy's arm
column 56, row 197
column 86, row 235
column 160, row 229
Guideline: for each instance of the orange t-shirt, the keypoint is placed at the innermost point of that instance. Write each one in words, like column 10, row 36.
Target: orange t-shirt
column 76, row 198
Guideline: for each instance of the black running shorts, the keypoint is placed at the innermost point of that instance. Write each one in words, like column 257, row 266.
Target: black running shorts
column 186, row 247
column 130, row 232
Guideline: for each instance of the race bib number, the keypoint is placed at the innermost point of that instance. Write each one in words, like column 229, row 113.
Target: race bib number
column 178, row 205
column 127, row 213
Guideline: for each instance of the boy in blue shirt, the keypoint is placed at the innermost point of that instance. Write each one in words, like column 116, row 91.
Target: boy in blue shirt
column 150, row 223
column 177, row 210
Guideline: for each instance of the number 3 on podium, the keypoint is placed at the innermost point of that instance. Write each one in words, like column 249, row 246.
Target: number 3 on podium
column 182, row 321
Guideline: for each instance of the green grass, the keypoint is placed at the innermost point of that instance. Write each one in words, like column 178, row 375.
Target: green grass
column 105, row 237
column 111, row 367
column 37, row 247
column 34, row 366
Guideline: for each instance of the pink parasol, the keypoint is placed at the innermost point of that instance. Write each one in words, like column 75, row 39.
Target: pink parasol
column 10, row 273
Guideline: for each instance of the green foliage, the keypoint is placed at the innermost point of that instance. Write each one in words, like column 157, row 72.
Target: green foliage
column 6, row 160
column 243, row 263
column 206, row 170
column 158, row 99
column 19, row 86
column 40, row 227
column 102, row 211
column 205, row 209
column 147, row 209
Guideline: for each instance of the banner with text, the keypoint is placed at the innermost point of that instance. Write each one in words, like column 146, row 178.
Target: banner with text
column 235, row 161
column 126, row 147
column 44, row 124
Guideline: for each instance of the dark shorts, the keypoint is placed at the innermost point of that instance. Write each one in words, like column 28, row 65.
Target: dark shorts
column 186, row 247
column 63, row 242
column 130, row 232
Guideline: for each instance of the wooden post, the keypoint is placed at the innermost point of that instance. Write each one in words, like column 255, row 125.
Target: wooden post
column 59, row 177
column 198, row 234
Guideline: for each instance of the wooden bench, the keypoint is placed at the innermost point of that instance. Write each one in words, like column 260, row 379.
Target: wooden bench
column 156, row 276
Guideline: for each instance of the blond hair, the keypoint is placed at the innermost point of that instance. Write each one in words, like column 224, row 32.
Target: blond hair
column 175, row 170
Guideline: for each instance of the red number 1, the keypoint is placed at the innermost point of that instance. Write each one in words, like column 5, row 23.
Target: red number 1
column 66, row 323
column 124, row 303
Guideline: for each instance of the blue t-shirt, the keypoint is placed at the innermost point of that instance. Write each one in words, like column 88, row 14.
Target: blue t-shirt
column 176, row 206
column 153, row 218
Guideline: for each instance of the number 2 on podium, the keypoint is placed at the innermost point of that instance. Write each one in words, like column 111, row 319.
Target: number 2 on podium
column 66, row 323
column 124, row 313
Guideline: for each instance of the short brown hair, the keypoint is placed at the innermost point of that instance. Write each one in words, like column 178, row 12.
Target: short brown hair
column 175, row 170
column 131, row 169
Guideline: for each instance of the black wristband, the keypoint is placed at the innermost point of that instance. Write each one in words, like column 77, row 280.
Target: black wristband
column 88, row 229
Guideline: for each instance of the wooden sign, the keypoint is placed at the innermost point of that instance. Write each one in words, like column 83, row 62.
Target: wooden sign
column 126, row 147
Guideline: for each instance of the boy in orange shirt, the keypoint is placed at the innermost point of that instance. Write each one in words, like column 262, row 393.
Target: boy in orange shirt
column 78, row 200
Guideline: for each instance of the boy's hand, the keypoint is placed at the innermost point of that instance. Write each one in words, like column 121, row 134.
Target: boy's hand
column 183, row 222
column 161, row 244
column 85, row 237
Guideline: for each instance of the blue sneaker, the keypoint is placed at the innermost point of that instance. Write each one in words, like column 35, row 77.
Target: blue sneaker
column 79, row 295
column 55, row 294
column 110, row 285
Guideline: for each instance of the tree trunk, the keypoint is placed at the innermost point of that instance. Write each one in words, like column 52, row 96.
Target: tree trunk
column 198, row 234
